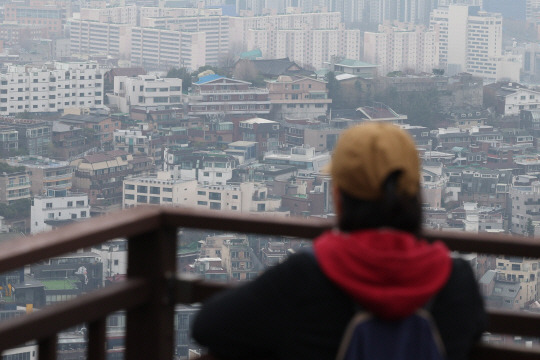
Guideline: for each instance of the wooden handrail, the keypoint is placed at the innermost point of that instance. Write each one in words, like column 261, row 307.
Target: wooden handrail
column 93, row 306
column 151, row 288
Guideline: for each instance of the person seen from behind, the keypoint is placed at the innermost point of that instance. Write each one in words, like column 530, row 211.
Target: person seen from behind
column 375, row 261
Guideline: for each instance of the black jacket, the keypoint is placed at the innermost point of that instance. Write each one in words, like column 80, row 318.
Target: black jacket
column 293, row 311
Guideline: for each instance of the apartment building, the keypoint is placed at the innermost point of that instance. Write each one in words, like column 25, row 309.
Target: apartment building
column 101, row 175
column 52, row 14
column 51, row 88
column 398, row 47
column 87, row 37
column 14, row 185
column 522, row 271
column 262, row 131
column 45, row 173
column 33, row 136
column 303, row 157
column 135, row 141
column 158, row 190
column 306, row 38
column 56, row 206
column 470, row 41
column 207, row 167
column 102, row 128
column 244, row 197
column 215, row 94
column 298, row 97
column 111, row 14
column 146, row 91
column 214, row 27
column 163, row 190
column 525, row 200
column 238, row 259
column 9, row 140
column 161, row 49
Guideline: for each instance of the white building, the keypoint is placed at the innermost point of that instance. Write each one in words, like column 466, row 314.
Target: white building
column 114, row 14
column 470, row 41
column 161, row 49
column 244, row 197
column 58, row 205
column 162, row 190
column 208, row 168
column 146, row 91
column 307, row 39
column 304, row 157
column 158, row 190
column 99, row 38
column 51, row 88
column 402, row 47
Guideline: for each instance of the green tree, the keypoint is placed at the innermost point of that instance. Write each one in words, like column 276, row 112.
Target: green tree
column 530, row 227
column 16, row 210
column 334, row 90
column 181, row 73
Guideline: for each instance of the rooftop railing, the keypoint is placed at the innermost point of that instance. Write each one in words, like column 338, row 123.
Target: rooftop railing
column 152, row 288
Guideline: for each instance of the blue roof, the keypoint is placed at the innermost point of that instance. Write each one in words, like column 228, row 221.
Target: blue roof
column 208, row 78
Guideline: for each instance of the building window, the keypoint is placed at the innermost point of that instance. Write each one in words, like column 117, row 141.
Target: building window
column 142, row 199
column 130, row 187
column 129, row 196
column 215, row 206
column 214, row 196
column 48, row 205
column 83, row 214
column 142, row 189
column 202, row 203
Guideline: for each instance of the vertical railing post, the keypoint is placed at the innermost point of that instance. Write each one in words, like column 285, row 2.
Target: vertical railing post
column 150, row 328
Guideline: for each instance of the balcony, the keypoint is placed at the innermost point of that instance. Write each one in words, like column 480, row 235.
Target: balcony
column 151, row 289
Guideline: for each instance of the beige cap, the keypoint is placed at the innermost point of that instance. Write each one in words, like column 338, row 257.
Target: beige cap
column 366, row 154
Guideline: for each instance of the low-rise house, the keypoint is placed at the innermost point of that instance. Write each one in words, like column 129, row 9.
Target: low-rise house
column 264, row 132
column 509, row 98
column 146, row 91
column 56, row 208
column 100, row 128
column 101, row 175
column 298, row 97
column 158, row 190
column 45, row 173
column 34, row 136
column 14, row 183
column 215, row 95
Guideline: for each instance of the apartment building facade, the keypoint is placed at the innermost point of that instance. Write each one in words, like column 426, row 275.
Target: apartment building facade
column 87, row 37
column 51, row 14
column 470, row 41
column 400, row 47
column 158, row 190
column 52, row 88
column 112, row 14
column 45, row 173
column 306, row 38
column 161, row 49
column 14, row 185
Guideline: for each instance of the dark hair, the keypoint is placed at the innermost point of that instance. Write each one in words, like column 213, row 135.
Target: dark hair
column 393, row 210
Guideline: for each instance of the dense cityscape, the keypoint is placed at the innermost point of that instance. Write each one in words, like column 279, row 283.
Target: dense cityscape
column 236, row 106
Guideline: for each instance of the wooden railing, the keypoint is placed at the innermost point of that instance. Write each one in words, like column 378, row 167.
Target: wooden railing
column 152, row 288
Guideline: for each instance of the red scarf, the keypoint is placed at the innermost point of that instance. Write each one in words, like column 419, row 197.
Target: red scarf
column 391, row 273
